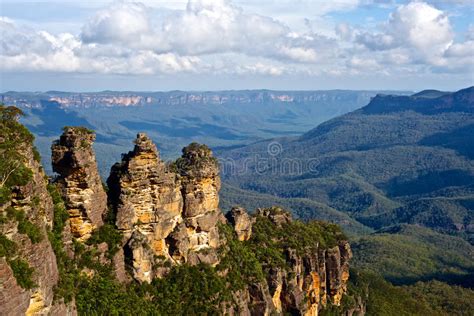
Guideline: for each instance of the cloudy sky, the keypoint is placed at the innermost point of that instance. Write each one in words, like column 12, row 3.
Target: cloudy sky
column 222, row 44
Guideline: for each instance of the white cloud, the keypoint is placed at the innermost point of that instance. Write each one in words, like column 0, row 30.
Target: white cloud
column 120, row 22
column 26, row 50
column 416, row 33
column 216, row 36
column 204, row 27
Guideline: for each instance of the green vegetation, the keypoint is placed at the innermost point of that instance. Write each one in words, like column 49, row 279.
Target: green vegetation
column 384, row 299
column 239, row 259
column 66, row 287
column 24, row 225
column 78, row 129
column 196, row 158
column 7, row 246
column 406, row 254
column 22, row 272
column 269, row 240
column 14, row 136
column 109, row 234
column 60, row 213
column 179, row 293
column 444, row 298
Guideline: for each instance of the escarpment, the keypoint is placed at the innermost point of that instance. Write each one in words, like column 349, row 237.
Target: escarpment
column 168, row 213
column 74, row 160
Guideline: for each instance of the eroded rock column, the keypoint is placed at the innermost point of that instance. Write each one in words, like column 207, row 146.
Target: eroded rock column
column 74, row 160
column 168, row 213
column 147, row 199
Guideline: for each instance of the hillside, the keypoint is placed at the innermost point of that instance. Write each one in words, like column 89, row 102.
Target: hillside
column 401, row 169
column 64, row 251
column 396, row 160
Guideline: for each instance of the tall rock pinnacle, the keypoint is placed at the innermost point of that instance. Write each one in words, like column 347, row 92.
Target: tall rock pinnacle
column 166, row 213
column 74, row 160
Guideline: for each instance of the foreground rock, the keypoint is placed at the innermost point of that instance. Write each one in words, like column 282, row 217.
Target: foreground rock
column 74, row 160
column 25, row 219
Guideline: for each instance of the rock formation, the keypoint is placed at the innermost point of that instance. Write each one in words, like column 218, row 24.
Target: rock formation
column 241, row 221
column 167, row 213
column 74, row 160
column 309, row 282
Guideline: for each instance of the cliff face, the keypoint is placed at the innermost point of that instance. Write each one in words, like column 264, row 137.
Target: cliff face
column 168, row 214
column 28, row 269
column 308, row 281
column 73, row 159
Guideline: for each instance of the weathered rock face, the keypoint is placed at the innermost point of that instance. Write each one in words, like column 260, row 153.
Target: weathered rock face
column 242, row 222
column 166, row 214
column 74, row 160
column 34, row 200
column 308, row 284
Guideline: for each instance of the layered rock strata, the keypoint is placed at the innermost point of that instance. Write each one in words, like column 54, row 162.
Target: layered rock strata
column 74, row 160
column 310, row 281
column 167, row 213
column 34, row 201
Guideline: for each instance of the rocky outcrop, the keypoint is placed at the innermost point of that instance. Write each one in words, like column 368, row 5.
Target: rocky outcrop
column 29, row 234
column 241, row 221
column 74, row 160
column 168, row 214
column 309, row 282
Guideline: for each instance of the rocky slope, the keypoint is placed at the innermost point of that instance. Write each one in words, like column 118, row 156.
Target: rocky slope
column 311, row 278
column 169, row 216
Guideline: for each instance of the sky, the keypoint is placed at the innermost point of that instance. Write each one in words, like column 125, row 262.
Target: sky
column 161, row 45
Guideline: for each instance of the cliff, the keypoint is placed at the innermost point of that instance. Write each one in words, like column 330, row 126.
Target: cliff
column 28, row 267
column 169, row 216
column 305, row 267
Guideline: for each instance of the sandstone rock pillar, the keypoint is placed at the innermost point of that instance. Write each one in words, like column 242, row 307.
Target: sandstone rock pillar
column 74, row 160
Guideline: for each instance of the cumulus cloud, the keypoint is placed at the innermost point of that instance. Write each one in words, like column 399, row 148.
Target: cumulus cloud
column 123, row 22
column 204, row 27
column 416, row 25
column 217, row 36
column 416, row 33
column 24, row 49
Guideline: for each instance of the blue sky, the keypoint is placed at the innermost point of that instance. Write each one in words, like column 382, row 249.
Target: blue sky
column 242, row 44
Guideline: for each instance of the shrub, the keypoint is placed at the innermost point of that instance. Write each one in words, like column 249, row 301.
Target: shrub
column 109, row 234
column 7, row 247
column 23, row 273
column 25, row 226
